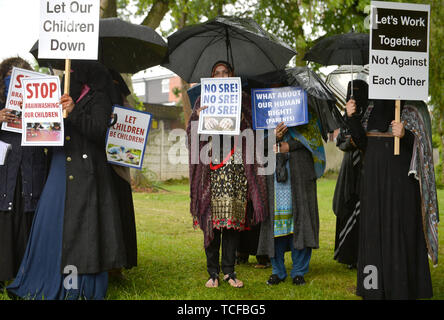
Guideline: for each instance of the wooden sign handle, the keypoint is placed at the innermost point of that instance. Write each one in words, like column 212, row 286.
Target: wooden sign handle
column 67, row 81
column 397, row 119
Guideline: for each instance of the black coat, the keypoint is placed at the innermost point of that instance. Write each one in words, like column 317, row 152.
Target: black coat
column 92, row 232
column 348, row 183
column 32, row 162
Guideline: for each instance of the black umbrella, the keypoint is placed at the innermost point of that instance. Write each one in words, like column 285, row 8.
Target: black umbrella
column 341, row 49
column 123, row 46
column 193, row 50
column 320, row 98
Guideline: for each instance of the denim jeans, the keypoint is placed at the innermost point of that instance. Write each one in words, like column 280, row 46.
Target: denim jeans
column 300, row 258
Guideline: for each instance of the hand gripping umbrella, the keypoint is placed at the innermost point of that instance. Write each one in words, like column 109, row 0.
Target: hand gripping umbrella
column 123, row 46
column 342, row 49
column 193, row 50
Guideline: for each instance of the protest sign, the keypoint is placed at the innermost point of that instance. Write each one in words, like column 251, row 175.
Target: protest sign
column 69, row 29
column 274, row 105
column 42, row 122
column 15, row 99
column 126, row 139
column 399, row 51
column 223, row 97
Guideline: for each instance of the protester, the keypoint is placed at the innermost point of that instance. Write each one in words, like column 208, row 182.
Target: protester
column 220, row 191
column 76, row 234
column 293, row 223
column 21, row 182
column 122, row 182
column 399, row 212
column 248, row 242
column 346, row 204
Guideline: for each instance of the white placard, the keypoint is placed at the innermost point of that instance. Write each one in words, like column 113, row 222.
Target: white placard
column 399, row 51
column 127, row 138
column 223, row 97
column 69, row 29
column 41, row 113
column 15, row 99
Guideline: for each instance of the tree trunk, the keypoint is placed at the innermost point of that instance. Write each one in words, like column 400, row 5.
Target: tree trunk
column 108, row 8
column 301, row 43
column 186, row 104
column 441, row 133
column 156, row 14
column 220, row 7
column 442, row 160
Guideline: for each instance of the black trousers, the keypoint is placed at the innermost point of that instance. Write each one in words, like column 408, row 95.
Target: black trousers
column 230, row 242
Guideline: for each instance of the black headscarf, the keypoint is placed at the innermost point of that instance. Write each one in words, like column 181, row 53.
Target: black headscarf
column 360, row 95
column 383, row 113
column 120, row 85
column 93, row 74
column 7, row 65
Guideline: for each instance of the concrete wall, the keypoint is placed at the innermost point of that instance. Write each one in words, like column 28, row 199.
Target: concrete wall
column 169, row 159
column 159, row 160
column 154, row 92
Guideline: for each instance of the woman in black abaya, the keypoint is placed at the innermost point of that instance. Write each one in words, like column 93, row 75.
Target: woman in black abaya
column 392, row 261
column 346, row 202
column 76, row 234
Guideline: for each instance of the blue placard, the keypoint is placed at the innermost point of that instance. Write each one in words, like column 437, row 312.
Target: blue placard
column 274, row 105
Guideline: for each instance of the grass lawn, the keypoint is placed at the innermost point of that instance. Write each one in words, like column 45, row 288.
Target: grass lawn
column 172, row 262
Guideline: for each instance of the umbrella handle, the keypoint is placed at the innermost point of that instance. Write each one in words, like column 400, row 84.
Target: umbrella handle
column 351, row 88
column 114, row 121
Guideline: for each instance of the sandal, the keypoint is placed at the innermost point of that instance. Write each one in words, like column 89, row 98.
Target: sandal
column 262, row 265
column 233, row 281
column 213, row 281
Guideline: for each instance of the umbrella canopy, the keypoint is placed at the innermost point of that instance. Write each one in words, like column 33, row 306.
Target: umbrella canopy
column 123, row 46
column 193, row 50
column 341, row 49
column 338, row 81
column 320, row 98
column 302, row 77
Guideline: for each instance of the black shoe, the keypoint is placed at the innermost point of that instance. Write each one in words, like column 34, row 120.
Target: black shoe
column 298, row 280
column 274, row 279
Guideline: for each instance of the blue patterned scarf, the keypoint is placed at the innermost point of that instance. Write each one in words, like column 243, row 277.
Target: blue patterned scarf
column 310, row 136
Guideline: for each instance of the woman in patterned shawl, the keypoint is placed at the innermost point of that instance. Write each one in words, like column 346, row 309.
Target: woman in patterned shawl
column 220, row 191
